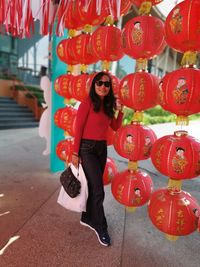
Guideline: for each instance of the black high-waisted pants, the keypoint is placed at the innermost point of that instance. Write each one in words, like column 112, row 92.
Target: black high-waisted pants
column 93, row 158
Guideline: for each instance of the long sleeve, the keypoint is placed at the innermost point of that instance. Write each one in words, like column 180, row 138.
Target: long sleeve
column 81, row 119
column 117, row 122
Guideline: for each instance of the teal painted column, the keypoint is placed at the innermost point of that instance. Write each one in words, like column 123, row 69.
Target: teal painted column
column 57, row 134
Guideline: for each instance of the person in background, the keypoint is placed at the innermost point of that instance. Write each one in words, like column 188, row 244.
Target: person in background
column 95, row 114
column 45, row 119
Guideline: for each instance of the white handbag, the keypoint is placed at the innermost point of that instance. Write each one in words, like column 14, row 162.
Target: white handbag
column 78, row 203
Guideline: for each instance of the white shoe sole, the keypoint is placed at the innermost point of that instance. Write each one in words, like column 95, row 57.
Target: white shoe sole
column 87, row 225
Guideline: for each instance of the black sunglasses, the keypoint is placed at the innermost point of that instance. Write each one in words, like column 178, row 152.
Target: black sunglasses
column 100, row 83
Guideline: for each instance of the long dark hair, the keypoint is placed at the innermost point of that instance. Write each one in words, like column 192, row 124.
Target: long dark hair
column 109, row 102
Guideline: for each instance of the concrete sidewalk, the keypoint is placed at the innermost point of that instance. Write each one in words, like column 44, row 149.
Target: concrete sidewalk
column 42, row 233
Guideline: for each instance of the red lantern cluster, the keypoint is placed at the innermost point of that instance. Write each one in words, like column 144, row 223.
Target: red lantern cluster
column 65, row 118
column 80, row 13
column 81, row 48
column 134, row 141
column 89, row 14
column 64, row 149
column 143, row 37
column 182, row 26
column 139, row 90
column 173, row 212
column 132, row 189
column 180, row 153
column 80, row 86
column 113, row 6
column 179, row 91
column 107, row 43
column 63, row 85
column 110, row 171
column 64, row 52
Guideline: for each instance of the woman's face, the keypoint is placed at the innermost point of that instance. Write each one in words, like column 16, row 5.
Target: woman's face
column 102, row 86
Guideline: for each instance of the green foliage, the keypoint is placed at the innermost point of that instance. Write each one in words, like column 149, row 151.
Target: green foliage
column 9, row 77
column 154, row 116
column 36, row 91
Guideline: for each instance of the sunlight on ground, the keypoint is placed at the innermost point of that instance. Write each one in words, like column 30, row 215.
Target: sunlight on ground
column 4, row 213
column 1, row 195
column 11, row 240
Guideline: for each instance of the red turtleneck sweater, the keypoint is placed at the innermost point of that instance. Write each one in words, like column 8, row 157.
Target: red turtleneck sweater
column 93, row 125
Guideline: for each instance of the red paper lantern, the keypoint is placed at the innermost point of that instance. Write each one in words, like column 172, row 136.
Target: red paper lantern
column 132, row 189
column 177, row 155
column 143, row 37
column 182, row 26
column 72, row 19
column 112, row 8
column 64, row 52
column 173, row 212
column 139, row 90
column 65, row 118
column 179, row 92
column 134, row 141
column 64, row 149
column 81, row 86
column 107, row 44
column 82, row 49
column 110, row 171
column 63, row 85
column 89, row 13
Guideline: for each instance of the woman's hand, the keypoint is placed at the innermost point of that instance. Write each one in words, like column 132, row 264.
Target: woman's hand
column 75, row 160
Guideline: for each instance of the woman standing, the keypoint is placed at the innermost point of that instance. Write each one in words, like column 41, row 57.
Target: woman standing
column 95, row 114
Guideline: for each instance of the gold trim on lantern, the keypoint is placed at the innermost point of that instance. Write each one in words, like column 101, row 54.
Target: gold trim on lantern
column 181, row 133
column 145, row 8
column 67, row 101
column 131, row 209
column 109, row 20
column 141, row 65
column 174, row 185
column 72, row 33
column 70, row 68
column 106, row 65
column 138, row 116
column 189, row 58
column 87, row 28
column 182, row 120
column 83, row 68
column 171, row 237
column 132, row 165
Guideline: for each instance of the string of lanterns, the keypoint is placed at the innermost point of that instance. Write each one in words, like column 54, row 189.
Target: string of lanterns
column 171, row 210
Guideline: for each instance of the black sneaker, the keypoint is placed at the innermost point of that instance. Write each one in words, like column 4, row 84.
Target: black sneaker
column 104, row 238
column 87, row 224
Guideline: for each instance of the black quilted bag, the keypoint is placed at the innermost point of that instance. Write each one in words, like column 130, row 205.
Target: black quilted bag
column 70, row 183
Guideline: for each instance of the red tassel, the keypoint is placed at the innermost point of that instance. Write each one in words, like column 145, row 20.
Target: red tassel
column 53, row 19
column 45, row 12
column 2, row 11
column 62, row 9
